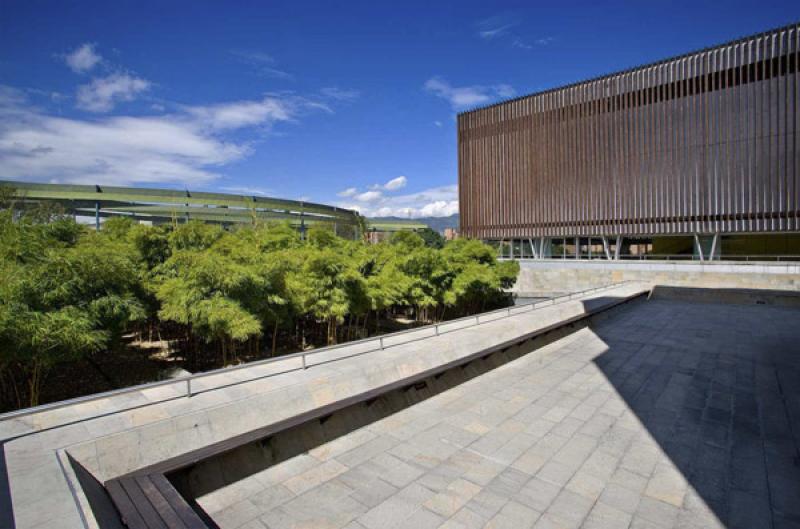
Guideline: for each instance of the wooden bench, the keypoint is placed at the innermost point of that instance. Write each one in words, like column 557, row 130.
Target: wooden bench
column 150, row 501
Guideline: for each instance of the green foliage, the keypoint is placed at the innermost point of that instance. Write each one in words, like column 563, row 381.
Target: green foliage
column 433, row 239
column 407, row 240
column 70, row 292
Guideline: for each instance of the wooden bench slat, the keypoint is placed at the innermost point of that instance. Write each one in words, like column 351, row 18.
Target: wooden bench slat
column 182, row 508
column 148, row 512
column 160, row 503
column 130, row 516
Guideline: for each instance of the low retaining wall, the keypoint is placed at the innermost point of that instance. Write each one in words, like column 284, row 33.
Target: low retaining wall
column 730, row 296
column 553, row 276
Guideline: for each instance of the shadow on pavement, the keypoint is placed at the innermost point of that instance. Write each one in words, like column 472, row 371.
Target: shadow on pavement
column 718, row 387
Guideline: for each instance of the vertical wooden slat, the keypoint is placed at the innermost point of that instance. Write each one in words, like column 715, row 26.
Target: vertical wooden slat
column 706, row 142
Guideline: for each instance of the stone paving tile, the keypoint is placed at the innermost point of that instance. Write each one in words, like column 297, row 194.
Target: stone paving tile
column 447, row 502
column 513, row 515
column 315, row 476
column 620, row 425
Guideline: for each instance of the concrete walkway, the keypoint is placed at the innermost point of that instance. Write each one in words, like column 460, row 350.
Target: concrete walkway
column 41, row 489
column 667, row 414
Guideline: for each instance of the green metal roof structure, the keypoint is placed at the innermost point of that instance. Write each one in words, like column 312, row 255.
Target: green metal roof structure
column 392, row 226
column 166, row 205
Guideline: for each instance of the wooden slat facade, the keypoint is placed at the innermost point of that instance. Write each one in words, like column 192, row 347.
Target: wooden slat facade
column 702, row 143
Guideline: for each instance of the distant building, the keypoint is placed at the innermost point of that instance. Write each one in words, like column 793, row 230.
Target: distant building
column 450, row 234
column 696, row 155
column 374, row 237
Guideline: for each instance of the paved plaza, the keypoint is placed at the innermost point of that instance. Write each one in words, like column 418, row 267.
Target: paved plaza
column 666, row 414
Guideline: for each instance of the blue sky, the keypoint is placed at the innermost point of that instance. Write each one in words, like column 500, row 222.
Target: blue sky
column 345, row 103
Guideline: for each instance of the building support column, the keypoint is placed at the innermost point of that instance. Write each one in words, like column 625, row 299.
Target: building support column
column 714, row 255
column 618, row 248
column 606, row 248
column 97, row 216
column 698, row 248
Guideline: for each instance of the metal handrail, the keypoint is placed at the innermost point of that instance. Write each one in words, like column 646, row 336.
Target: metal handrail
column 666, row 257
column 302, row 355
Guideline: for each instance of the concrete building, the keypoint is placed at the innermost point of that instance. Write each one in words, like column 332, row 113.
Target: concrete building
column 694, row 156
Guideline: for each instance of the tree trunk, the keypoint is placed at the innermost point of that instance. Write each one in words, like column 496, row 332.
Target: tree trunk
column 275, row 337
column 331, row 330
column 34, row 383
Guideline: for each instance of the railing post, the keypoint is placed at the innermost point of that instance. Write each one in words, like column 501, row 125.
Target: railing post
column 188, row 387
column 437, row 329
column 303, row 357
column 381, row 340
column 509, row 311
column 477, row 320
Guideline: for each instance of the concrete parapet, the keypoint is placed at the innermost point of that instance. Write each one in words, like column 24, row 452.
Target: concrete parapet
column 541, row 277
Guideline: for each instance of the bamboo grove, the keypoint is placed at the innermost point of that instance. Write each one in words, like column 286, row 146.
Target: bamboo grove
column 220, row 296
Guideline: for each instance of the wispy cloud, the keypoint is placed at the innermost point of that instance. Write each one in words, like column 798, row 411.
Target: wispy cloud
column 461, row 97
column 188, row 146
column 494, row 32
column 434, row 202
column 83, row 58
column 262, row 64
column 102, row 94
column 519, row 43
column 349, row 192
column 238, row 114
column 502, row 28
column 340, row 94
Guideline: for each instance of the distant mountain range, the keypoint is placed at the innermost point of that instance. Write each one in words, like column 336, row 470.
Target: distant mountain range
column 435, row 223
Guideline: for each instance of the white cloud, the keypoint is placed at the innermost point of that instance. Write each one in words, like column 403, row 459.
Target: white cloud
column 187, row 147
column 83, row 59
column 437, row 123
column 434, row 202
column 519, row 43
column 493, row 32
column 369, row 196
column 103, row 93
column 238, row 114
column 340, row 94
column 263, row 64
column 461, row 97
column 396, row 183
column 375, row 194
